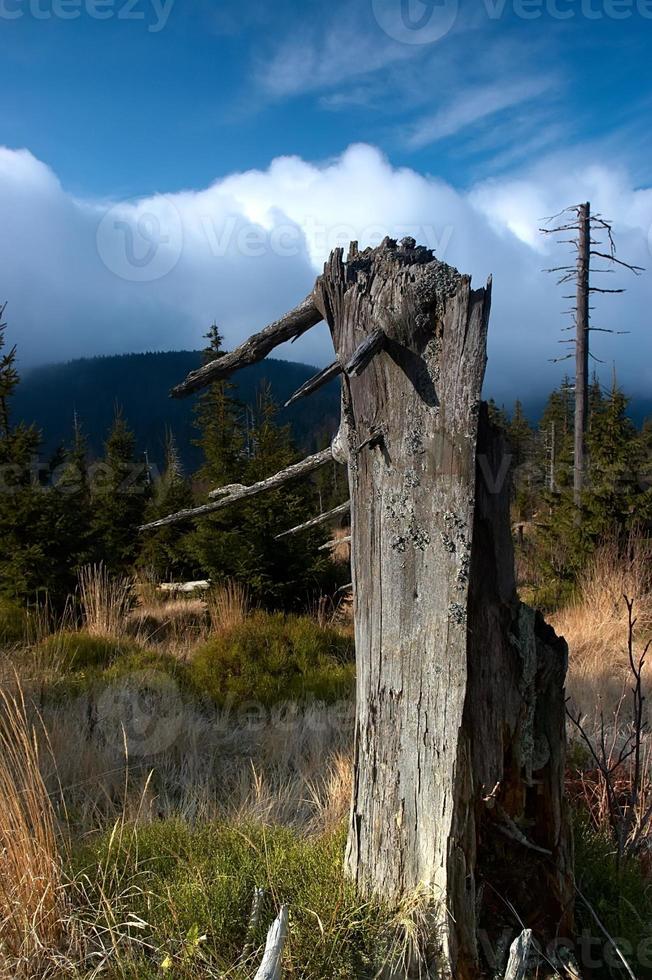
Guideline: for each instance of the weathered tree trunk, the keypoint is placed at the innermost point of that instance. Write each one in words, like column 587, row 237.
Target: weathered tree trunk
column 460, row 710
column 582, row 349
column 459, row 758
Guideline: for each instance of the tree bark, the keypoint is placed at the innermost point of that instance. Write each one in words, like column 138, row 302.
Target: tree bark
column 460, row 710
column 460, row 722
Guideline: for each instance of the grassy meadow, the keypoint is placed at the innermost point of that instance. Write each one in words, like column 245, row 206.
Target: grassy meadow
column 163, row 758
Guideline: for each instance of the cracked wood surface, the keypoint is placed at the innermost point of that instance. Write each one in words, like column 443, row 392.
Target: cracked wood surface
column 412, row 499
column 411, row 422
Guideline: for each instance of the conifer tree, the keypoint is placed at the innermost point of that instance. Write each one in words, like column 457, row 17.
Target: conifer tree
column 212, row 545
column 286, row 572
column 26, row 520
column 497, row 415
column 71, row 534
column 218, row 419
column 9, row 378
column 524, row 476
column 120, row 490
column 616, row 498
column 163, row 552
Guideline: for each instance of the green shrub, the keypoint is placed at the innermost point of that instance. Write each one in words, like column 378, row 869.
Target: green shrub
column 80, row 651
column 13, row 622
column 84, row 663
column 272, row 658
column 195, row 888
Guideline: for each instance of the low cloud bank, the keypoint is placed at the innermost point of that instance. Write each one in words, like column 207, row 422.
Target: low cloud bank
column 85, row 277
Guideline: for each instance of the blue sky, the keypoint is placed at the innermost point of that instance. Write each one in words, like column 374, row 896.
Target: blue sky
column 479, row 114
column 196, row 90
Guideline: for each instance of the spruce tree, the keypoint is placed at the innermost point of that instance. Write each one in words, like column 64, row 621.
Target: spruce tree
column 120, row 490
column 27, row 518
column 287, row 572
column 163, row 552
column 617, row 497
column 9, row 377
column 218, row 419
column 70, row 503
column 497, row 415
column 212, row 544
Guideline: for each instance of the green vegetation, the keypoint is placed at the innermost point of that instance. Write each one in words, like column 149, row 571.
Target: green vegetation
column 195, row 888
column 13, row 622
column 267, row 659
column 622, row 899
column 618, row 497
column 273, row 658
column 75, row 508
column 77, row 651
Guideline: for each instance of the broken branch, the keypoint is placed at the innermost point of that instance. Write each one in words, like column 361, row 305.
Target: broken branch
column 363, row 354
column 316, row 521
column 294, row 323
column 236, row 492
column 317, row 380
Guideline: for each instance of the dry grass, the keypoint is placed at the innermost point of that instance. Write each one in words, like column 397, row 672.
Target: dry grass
column 228, row 606
column 32, row 900
column 341, row 545
column 290, row 768
column 105, row 601
column 176, row 623
column 595, row 625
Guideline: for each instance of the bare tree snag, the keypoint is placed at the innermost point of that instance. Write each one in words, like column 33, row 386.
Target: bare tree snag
column 579, row 219
column 270, row 968
column 581, row 349
column 460, row 716
column 453, row 675
column 518, row 966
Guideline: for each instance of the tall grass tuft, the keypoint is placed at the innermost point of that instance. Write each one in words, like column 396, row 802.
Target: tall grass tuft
column 229, row 605
column 32, row 901
column 105, row 601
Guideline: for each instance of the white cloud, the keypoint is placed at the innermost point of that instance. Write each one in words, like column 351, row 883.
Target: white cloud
column 85, row 277
column 472, row 106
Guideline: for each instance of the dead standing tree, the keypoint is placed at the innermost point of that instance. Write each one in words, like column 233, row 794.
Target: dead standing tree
column 459, row 752
column 587, row 247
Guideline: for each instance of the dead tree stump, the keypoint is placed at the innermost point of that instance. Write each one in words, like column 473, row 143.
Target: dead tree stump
column 460, row 737
column 460, row 706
